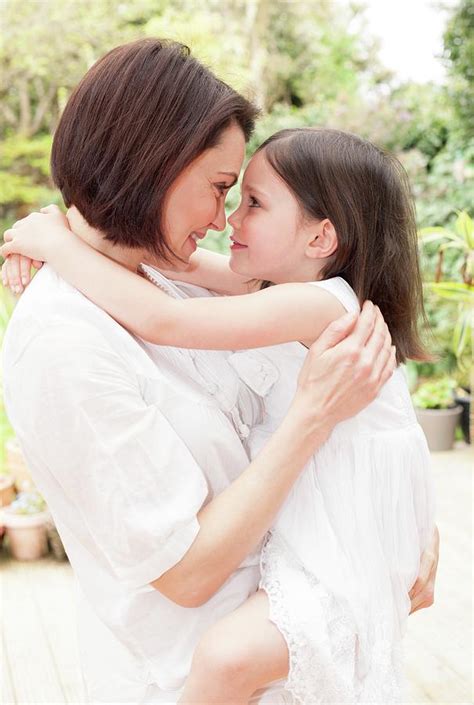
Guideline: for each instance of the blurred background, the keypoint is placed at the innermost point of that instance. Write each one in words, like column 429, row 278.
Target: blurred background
column 398, row 72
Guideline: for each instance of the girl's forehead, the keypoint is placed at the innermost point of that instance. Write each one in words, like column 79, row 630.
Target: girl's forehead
column 258, row 168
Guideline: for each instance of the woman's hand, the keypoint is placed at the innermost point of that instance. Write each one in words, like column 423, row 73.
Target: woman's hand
column 345, row 369
column 422, row 592
column 28, row 243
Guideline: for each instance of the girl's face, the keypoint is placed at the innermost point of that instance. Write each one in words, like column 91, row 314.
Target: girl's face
column 195, row 201
column 270, row 237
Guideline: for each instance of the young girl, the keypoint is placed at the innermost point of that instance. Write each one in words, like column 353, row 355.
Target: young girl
column 327, row 219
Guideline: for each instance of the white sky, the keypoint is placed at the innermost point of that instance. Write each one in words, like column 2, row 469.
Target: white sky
column 411, row 34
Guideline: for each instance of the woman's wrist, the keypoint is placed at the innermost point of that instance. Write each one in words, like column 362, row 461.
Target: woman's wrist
column 309, row 423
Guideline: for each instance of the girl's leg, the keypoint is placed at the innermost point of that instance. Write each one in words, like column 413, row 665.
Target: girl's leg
column 239, row 654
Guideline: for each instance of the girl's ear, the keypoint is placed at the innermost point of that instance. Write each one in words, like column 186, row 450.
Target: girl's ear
column 324, row 241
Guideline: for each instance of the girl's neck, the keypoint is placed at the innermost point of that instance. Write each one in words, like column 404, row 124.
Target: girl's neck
column 126, row 256
column 308, row 272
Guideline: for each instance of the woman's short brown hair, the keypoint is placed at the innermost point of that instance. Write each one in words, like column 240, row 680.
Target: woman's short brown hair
column 139, row 116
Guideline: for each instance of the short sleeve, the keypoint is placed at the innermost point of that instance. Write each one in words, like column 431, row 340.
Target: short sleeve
column 114, row 457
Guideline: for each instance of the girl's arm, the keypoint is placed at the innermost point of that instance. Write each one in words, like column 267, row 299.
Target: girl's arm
column 211, row 270
column 278, row 314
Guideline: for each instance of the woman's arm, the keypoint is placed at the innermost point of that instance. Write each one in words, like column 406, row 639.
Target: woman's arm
column 343, row 372
column 211, row 270
column 275, row 315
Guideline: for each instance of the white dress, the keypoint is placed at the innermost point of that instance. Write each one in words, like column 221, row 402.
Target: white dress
column 345, row 548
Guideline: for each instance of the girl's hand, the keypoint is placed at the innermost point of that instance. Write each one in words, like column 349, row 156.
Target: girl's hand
column 422, row 592
column 27, row 244
column 16, row 272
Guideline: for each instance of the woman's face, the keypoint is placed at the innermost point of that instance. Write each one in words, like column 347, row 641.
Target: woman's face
column 195, row 201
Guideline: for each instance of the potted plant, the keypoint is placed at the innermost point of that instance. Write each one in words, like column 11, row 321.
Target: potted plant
column 463, row 397
column 437, row 412
column 459, row 241
column 7, row 489
column 17, row 467
column 25, row 520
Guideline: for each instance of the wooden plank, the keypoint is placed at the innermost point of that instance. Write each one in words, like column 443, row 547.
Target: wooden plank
column 7, row 695
column 41, row 662
column 34, row 674
column 438, row 644
column 54, row 598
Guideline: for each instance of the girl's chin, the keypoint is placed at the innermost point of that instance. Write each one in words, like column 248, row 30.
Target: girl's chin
column 240, row 265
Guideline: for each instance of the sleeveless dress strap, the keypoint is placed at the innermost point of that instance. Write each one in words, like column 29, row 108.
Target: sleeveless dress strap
column 338, row 287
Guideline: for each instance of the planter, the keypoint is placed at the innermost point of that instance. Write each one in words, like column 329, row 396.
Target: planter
column 439, row 426
column 465, row 403
column 27, row 538
column 16, row 465
column 7, row 490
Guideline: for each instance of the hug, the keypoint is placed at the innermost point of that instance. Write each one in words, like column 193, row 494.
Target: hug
column 227, row 444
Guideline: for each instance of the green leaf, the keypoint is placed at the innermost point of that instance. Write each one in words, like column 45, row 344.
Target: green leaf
column 432, row 234
column 462, row 332
column 455, row 291
column 464, row 226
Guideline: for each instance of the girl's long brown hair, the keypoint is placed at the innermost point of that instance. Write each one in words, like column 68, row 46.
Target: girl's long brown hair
column 365, row 193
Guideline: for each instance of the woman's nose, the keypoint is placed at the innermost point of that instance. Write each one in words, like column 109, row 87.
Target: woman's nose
column 220, row 218
column 234, row 220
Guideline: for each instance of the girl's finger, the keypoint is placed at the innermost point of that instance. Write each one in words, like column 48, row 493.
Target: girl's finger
column 5, row 250
column 51, row 208
column 14, row 280
column 8, row 235
column 5, row 273
column 37, row 263
column 25, row 270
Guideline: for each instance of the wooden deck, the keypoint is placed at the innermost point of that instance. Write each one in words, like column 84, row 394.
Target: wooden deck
column 38, row 648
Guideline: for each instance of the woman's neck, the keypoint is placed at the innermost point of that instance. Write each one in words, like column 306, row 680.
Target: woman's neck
column 126, row 256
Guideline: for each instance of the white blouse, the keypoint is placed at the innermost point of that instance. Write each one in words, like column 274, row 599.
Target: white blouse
column 126, row 441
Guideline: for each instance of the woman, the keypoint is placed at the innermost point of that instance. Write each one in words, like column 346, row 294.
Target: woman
column 137, row 448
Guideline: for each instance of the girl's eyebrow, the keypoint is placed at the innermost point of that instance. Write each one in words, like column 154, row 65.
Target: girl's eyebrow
column 254, row 189
column 232, row 174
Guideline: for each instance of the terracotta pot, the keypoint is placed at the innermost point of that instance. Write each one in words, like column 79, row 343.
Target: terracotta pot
column 27, row 538
column 7, row 490
column 439, row 426
column 16, row 465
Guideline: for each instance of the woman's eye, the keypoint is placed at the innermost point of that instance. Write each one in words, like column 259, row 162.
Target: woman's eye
column 253, row 203
column 222, row 188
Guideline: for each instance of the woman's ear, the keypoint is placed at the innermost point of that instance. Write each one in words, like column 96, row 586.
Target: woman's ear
column 324, row 240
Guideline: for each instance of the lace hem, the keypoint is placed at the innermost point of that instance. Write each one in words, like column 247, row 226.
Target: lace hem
column 324, row 663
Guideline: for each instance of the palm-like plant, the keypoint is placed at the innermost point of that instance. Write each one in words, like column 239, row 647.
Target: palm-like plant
column 7, row 303
column 461, row 239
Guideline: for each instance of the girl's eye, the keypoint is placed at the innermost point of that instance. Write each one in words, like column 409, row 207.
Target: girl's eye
column 253, row 203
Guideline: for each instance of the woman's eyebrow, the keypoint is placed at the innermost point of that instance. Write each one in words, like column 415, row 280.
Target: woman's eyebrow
column 232, row 174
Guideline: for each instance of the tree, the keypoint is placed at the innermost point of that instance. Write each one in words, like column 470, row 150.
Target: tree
column 459, row 55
